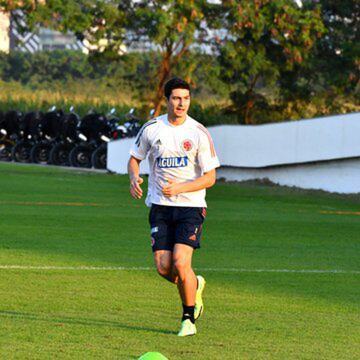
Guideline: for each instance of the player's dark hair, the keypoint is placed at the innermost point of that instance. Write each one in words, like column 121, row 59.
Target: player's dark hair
column 175, row 83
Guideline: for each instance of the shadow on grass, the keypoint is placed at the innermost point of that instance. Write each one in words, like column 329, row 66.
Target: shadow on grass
column 80, row 321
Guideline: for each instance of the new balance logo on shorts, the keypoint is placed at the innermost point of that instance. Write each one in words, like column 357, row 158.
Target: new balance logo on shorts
column 173, row 162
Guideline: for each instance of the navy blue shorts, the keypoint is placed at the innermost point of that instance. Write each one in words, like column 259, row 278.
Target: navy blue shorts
column 172, row 225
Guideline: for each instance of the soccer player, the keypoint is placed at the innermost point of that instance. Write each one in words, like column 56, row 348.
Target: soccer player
column 182, row 162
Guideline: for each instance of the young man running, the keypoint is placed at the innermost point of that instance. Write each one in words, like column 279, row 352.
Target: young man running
column 182, row 162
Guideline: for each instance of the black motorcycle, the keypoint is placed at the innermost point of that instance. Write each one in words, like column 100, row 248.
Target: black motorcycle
column 59, row 154
column 92, row 131
column 118, row 129
column 28, row 134
column 132, row 124
column 48, row 134
column 9, row 133
column 113, row 131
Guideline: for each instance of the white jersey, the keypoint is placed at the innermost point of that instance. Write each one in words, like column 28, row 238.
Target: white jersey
column 182, row 153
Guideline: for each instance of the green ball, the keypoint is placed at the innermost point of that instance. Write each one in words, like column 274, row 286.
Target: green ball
column 153, row 356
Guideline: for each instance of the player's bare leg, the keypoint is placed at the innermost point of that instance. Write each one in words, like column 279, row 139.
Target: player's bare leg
column 164, row 265
column 187, row 284
column 187, row 281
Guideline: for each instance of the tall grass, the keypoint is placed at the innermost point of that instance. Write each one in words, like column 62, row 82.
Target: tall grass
column 82, row 95
column 102, row 96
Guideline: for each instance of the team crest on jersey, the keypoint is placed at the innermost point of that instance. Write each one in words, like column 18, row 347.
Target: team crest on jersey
column 187, row 145
column 172, row 162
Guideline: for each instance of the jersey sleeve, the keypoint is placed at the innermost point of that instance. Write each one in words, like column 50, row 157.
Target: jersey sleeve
column 141, row 145
column 207, row 157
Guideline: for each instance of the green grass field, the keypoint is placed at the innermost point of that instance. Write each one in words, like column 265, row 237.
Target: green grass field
column 53, row 222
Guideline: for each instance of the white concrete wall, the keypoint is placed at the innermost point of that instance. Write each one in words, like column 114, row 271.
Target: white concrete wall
column 341, row 176
column 257, row 152
column 333, row 137
column 118, row 156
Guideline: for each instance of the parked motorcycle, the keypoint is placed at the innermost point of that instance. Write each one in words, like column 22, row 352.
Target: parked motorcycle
column 28, row 134
column 113, row 131
column 9, row 133
column 48, row 134
column 92, row 131
column 132, row 124
column 59, row 154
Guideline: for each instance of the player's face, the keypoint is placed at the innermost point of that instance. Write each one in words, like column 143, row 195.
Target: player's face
column 178, row 103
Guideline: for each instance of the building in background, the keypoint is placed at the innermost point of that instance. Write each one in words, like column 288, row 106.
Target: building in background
column 43, row 39
column 4, row 32
column 40, row 39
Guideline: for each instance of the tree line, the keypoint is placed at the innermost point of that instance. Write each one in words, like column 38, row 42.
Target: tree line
column 262, row 55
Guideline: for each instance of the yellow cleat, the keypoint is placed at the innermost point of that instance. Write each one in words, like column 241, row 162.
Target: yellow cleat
column 187, row 328
column 199, row 305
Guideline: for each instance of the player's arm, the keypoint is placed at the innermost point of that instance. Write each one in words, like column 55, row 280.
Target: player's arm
column 203, row 182
column 135, row 179
column 138, row 153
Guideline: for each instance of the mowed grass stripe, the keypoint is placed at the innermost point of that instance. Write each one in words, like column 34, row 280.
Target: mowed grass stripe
column 121, row 268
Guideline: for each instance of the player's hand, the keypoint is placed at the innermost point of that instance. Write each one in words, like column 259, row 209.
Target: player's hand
column 135, row 189
column 172, row 188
